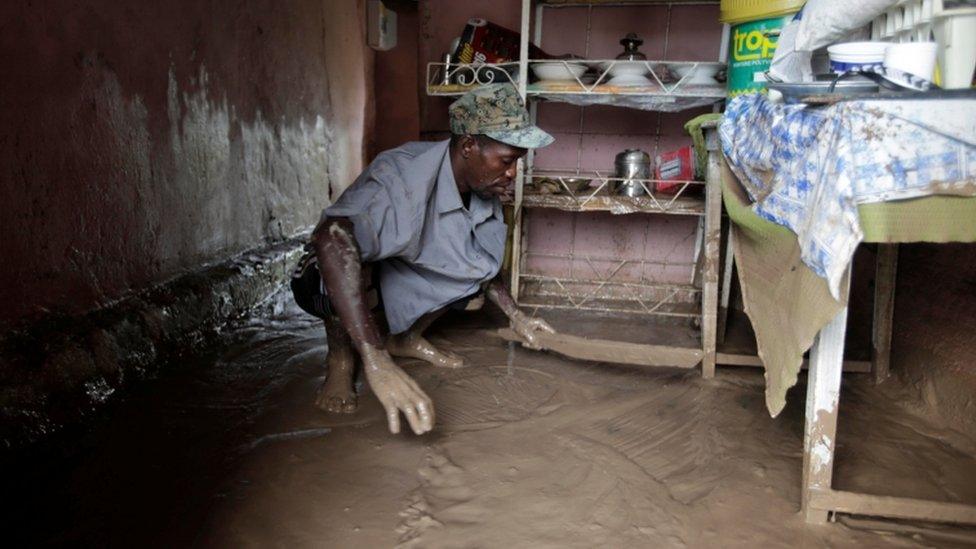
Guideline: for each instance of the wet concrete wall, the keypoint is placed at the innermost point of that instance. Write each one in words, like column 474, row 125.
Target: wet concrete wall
column 140, row 139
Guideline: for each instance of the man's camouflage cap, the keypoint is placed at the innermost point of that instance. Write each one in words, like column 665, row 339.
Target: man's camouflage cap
column 496, row 110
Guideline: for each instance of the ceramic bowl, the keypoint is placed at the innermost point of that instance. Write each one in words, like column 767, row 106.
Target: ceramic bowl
column 703, row 74
column 631, row 80
column 558, row 70
column 622, row 68
column 577, row 184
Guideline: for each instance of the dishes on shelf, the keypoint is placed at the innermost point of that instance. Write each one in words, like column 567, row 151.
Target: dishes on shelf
column 630, row 80
column 558, row 71
column 552, row 185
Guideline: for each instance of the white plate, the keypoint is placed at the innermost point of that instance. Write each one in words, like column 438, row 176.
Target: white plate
column 630, row 80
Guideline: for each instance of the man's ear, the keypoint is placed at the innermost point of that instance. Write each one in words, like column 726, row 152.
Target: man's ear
column 469, row 146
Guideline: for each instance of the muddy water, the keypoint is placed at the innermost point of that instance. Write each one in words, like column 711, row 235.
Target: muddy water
column 227, row 450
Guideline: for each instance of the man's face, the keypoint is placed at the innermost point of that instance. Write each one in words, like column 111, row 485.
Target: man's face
column 491, row 168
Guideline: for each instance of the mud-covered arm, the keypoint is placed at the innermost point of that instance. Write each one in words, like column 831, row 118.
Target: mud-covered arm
column 338, row 258
column 522, row 324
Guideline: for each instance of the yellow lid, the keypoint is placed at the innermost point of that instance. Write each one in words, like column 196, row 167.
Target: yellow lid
column 739, row 11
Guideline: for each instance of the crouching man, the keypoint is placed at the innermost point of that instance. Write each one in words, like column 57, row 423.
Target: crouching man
column 422, row 226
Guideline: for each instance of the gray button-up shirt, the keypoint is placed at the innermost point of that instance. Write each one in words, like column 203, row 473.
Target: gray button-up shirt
column 408, row 216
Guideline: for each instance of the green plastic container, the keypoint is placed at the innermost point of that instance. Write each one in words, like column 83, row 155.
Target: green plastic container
column 751, row 48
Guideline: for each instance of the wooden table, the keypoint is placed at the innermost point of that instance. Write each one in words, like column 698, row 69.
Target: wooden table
column 823, row 399
column 900, row 140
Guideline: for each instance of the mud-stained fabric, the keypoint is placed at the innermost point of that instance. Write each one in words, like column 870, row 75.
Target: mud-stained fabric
column 810, row 168
column 407, row 215
column 787, row 303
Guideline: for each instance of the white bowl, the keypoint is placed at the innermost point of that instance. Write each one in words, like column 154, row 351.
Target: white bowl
column 629, row 80
column 621, row 68
column 558, row 70
column 703, row 74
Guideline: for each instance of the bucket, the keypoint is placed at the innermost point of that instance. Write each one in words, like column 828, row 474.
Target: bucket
column 857, row 56
column 754, row 31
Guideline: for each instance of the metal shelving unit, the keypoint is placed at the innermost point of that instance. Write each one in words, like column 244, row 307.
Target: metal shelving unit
column 592, row 285
column 594, row 288
column 598, row 196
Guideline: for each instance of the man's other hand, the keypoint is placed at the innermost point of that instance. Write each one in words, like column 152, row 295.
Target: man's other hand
column 397, row 392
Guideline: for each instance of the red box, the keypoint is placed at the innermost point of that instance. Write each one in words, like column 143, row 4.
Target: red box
column 676, row 165
column 485, row 42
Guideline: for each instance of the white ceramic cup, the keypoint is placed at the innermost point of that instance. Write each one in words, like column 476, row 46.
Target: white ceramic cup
column 915, row 58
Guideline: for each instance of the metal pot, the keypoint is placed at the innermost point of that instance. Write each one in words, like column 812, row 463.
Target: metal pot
column 631, row 166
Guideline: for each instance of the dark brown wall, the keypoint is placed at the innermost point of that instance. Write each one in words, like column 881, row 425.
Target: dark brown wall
column 142, row 138
column 398, row 86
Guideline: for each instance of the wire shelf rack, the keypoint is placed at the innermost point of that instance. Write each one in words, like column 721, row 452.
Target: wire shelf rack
column 562, row 190
column 608, row 284
column 646, row 85
column 449, row 79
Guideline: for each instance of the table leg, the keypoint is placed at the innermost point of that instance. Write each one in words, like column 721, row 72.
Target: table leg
column 723, row 304
column 823, row 396
column 884, row 309
column 710, row 250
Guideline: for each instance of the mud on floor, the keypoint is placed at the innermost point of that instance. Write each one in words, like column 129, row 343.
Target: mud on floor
column 529, row 450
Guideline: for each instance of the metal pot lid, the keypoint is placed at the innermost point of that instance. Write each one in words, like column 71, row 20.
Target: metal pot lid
column 633, row 154
column 630, row 43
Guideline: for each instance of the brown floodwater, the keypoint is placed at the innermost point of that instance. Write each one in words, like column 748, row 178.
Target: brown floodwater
column 530, row 449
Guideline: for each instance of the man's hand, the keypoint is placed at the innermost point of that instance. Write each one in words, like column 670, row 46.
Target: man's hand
column 527, row 327
column 396, row 391
column 523, row 325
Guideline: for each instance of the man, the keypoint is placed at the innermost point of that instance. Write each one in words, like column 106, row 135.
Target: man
column 426, row 219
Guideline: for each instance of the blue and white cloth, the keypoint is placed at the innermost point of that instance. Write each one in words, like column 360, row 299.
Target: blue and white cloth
column 808, row 168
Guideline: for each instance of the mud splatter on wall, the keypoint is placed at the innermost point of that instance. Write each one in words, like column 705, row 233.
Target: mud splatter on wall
column 141, row 139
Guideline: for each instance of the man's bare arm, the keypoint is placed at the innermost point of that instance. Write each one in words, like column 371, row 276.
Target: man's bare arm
column 338, row 258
